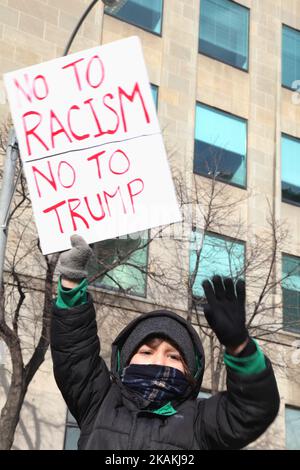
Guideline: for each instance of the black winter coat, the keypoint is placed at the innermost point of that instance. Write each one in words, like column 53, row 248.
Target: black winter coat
column 112, row 418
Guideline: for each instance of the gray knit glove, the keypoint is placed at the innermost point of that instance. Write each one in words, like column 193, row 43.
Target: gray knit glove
column 72, row 263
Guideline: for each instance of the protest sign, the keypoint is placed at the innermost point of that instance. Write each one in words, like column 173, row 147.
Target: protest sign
column 91, row 145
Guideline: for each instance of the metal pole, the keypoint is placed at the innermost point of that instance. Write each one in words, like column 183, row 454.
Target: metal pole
column 7, row 193
column 109, row 3
column 79, row 23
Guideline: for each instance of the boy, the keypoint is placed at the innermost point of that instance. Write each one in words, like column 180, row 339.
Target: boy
column 149, row 400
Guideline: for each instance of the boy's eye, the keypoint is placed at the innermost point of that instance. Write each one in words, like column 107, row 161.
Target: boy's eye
column 175, row 357
column 143, row 351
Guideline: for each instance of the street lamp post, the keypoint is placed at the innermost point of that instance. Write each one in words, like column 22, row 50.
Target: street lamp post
column 109, row 3
column 7, row 192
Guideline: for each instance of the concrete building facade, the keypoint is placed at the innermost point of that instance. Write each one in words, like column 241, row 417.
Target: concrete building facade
column 243, row 89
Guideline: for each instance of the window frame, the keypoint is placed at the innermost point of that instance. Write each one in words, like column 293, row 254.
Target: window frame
column 160, row 34
column 286, row 201
column 246, row 70
column 289, row 89
column 203, row 392
column 117, row 290
column 224, row 237
column 289, row 331
column 69, row 424
column 291, row 407
column 205, row 175
column 298, row 31
column 157, row 94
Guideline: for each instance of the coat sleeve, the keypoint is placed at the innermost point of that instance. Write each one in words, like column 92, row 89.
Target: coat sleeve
column 233, row 419
column 80, row 373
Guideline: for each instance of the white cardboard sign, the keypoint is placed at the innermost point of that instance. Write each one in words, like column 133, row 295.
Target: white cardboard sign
column 91, row 145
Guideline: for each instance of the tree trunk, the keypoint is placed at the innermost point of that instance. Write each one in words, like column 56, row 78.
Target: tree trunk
column 22, row 376
column 10, row 415
column 15, row 396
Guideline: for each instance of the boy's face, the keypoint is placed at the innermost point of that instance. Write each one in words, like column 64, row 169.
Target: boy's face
column 164, row 355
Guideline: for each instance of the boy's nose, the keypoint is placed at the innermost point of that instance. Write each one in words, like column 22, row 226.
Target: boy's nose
column 158, row 360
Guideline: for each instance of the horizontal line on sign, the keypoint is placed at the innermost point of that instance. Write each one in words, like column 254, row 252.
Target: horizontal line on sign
column 91, row 147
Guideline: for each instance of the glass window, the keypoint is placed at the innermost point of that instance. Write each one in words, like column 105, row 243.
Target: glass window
column 146, row 14
column 203, row 394
column 290, row 169
column 220, row 145
column 219, row 255
column 223, row 32
column 154, row 90
column 72, row 433
column 290, row 56
column 130, row 276
column 292, row 428
column 291, row 293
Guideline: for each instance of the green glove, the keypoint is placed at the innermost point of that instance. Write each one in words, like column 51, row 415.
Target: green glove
column 72, row 263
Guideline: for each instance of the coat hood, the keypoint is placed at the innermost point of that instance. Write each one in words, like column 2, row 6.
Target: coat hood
column 143, row 320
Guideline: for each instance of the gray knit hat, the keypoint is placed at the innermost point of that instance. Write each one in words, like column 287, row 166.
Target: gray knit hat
column 166, row 327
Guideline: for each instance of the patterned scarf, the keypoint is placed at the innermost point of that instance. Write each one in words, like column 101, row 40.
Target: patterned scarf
column 155, row 383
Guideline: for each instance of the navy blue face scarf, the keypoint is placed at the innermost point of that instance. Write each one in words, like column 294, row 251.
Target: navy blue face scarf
column 157, row 384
